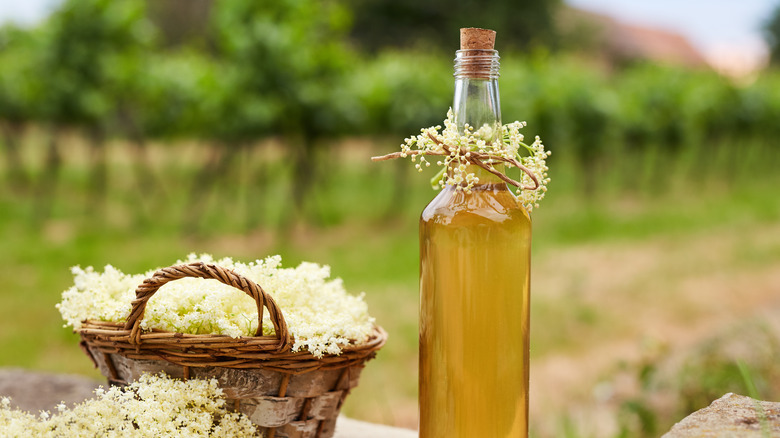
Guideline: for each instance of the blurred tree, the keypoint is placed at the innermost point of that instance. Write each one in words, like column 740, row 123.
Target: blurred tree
column 92, row 48
column 90, row 62
column 180, row 21
column 18, row 96
column 772, row 35
column 290, row 64
column 399, row 23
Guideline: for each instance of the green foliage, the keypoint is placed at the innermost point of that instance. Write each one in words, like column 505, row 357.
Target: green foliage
column 720, row 366
column 90, row 58
column 399, row 99
column 638, row 420
column 188, row 94
column 289, row 59
column 740, row 359
column 772, row 35
column 18, row 88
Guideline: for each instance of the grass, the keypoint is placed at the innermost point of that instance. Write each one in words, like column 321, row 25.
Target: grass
column 601, row 262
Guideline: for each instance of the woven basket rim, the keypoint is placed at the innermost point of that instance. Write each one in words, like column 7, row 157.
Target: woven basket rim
column 113, row 329
column 238, row 353
column 207, row 349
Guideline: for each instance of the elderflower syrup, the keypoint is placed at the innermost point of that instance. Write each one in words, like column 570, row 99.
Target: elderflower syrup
column 475, row 244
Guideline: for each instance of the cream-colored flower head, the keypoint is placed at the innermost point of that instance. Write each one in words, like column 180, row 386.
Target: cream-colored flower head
column 152, row 407
column 321, row 316
column 455, row 149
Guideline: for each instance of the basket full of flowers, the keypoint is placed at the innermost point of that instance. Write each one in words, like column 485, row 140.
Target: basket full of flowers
column 286, row 351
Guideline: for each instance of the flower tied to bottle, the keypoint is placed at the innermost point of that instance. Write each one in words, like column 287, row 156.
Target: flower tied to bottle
column 473, row 133
column 458, row 151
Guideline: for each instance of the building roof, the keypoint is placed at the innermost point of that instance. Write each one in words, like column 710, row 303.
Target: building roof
column 624, row 41
column 632, row 41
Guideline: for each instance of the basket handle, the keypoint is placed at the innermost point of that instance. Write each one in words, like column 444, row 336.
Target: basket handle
column 209, row 271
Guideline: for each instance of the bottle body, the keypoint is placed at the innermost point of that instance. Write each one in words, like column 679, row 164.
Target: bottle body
column 474, row 313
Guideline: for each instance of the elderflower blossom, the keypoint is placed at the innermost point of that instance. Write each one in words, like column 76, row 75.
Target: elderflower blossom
column 456, row 149
column 321, row 316
column 153, row 406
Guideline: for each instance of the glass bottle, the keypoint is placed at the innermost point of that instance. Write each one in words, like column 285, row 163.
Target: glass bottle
column 474, row 286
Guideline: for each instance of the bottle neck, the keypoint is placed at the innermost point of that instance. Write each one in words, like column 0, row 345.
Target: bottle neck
column 487, row 180
column 476, row 102
column 486, row 177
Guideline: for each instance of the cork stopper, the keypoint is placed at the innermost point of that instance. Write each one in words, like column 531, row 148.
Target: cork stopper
column 472, row 60
column 473, row 38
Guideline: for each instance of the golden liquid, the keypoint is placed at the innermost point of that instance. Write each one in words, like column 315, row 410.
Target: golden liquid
column 474, row 299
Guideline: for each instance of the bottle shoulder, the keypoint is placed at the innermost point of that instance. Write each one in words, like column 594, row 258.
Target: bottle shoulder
column 481, row 206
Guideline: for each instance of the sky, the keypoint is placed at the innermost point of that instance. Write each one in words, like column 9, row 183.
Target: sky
column 711, row 25
column 25, row 11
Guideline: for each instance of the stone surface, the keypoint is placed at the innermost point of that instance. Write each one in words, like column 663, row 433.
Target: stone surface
column 731, row 416
column 348, row 428
column 35, row 391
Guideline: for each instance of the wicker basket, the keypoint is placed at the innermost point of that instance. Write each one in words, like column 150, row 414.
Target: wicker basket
column 286, row 394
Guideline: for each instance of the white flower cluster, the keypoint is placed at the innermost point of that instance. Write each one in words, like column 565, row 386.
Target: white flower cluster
column 457, row 149
column 536, row 162
column 152, row 407
column 321, row 316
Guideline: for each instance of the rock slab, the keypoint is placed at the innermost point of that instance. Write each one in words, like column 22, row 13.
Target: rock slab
column 35, row 391
column 349, row 428
column 731, row 416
